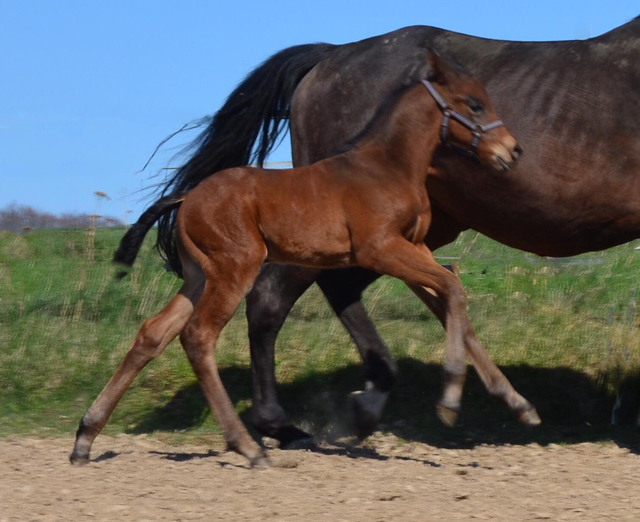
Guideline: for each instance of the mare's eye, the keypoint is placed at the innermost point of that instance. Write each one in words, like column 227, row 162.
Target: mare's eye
column 475, row 106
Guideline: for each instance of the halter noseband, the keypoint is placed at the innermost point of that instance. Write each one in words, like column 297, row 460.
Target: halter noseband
column 449, row 112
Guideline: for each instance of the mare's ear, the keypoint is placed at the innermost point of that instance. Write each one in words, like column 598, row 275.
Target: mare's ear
column 437, row 67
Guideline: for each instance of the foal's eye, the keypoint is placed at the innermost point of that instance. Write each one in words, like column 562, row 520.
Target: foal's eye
column 475, row 106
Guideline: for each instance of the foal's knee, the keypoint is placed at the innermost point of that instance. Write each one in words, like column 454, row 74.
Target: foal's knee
column 149, row 341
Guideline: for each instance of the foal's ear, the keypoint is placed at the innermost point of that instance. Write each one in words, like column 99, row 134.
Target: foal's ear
column 437, row 67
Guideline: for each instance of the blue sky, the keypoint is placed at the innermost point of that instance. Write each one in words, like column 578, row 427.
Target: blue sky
column 89, row 88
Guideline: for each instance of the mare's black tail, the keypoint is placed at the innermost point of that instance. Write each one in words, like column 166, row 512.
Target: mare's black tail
column 245, row 129
column 132, row 241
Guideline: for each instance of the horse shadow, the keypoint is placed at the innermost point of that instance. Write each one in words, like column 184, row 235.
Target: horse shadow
column 574, row 407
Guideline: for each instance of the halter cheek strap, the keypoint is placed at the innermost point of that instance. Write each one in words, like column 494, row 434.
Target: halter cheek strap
column 449, row 113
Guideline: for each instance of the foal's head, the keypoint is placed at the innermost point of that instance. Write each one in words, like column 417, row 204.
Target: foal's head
column 470, row 123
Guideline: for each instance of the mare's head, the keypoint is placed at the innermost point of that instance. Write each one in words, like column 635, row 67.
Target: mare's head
column 470, row 124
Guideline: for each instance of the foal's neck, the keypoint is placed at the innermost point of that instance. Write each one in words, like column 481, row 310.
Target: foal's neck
column 405, row 137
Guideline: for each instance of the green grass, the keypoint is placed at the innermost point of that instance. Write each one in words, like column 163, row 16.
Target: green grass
column 565, row 333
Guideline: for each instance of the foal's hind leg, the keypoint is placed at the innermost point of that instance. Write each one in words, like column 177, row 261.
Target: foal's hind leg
column 152, row 338
column 455, row 368
column 226, row 286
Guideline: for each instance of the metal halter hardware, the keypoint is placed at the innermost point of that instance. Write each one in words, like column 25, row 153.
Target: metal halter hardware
column 449, row 112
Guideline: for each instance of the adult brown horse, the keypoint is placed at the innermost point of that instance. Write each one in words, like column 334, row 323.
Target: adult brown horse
column 367, row 207
column 574, row 106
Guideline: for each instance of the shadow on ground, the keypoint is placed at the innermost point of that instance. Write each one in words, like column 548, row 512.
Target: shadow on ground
column 573, row 407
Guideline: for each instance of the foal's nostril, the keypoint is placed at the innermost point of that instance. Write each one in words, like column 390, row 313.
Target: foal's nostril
column 516, row 152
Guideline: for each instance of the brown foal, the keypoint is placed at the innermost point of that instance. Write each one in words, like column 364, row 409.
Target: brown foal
column 367, row 207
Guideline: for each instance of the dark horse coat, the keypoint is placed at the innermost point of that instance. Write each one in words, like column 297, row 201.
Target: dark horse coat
column 573, row 105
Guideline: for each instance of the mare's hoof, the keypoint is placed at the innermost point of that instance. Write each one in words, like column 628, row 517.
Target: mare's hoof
column 448, row 416
column 530, row 417
column 305, row 443
column 78, row 460
column 290, row 437
column 367, row 409
column 260, row 462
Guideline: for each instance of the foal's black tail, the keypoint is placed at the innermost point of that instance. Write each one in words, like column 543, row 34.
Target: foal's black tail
column 244, row 130
column 132, row 241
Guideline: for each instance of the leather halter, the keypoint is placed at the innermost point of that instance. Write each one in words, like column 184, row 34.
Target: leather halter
column 449, row 112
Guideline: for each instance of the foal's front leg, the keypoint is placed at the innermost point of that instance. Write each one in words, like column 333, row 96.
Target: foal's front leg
column 455, row 368
column 416, row 266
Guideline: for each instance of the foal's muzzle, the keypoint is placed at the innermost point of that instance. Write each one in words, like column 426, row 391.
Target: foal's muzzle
column 504, row 157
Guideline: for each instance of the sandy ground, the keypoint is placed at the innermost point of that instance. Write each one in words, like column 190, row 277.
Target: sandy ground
column 144, row 479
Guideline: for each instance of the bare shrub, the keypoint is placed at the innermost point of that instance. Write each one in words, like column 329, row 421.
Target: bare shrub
column 23, row 218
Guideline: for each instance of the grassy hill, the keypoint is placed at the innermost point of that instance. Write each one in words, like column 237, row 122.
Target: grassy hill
column 564, row 331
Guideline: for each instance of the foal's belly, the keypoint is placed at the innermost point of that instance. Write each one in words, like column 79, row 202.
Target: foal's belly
column 309, row 243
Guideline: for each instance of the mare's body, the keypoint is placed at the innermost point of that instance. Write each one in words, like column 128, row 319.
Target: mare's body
column 574, row 107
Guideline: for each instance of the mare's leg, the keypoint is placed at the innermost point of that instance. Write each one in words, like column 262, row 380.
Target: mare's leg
column 455, row 370
column 274, row 293
column 416, row 266
column 343, row 289
column 226, row 286
column 152, row 338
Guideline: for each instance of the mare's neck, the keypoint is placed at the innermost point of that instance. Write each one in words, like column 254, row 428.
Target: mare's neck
column 405, row 137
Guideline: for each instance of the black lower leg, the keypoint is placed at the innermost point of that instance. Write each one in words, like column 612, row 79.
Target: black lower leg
column 274, row 293
column 343, row 289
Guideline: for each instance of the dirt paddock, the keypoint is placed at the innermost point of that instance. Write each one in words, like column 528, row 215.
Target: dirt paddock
column 144, row 479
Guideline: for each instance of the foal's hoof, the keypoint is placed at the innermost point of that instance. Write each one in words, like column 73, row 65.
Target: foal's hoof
column 78, row 460
column 367, row 409
column 448, row 416
column 530, row 417
column 260, row 462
